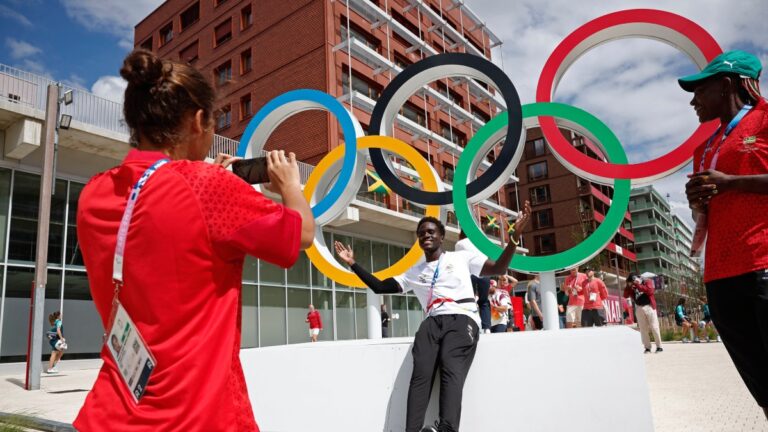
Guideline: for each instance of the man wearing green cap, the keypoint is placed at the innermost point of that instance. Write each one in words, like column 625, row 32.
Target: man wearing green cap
column 728, row 193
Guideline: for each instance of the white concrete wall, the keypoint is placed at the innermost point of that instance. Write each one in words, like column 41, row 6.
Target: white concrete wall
column 575, row 380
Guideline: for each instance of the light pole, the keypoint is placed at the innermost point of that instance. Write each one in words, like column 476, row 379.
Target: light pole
column 615, row 262
column 47, row 186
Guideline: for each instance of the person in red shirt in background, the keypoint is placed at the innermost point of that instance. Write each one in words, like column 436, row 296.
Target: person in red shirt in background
column 727, row 193
column 595, row 292
column 315, row 323
column 573, row 287
column 191, row 227
column 642, row 292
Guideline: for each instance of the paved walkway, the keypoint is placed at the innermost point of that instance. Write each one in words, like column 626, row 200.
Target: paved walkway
column 694, row 387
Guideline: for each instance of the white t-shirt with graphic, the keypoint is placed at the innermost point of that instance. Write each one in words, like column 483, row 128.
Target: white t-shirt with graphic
column 453, row 281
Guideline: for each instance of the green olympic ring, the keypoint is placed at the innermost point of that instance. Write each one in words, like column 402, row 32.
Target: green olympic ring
column 583, row 251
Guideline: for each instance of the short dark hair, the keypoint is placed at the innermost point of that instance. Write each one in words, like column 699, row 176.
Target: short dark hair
column 433, row 220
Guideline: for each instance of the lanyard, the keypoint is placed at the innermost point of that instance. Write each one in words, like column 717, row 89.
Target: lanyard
column 122, row 233
column 728, row 129
column 434, row 281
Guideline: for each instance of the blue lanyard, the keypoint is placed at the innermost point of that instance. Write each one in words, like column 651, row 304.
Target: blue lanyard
column 122, row 232
column 728, row 129
column 434, row 280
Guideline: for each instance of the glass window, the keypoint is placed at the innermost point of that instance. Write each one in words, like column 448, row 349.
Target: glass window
column 543, row 219
column 249, row 334
column 411, row 112
column 23, row 238
column 250, row 269
column 395, row 253
column 358, row 34
column 81, row 318
column 222, row 33
column 323, row 301
column 319, row 279
column 166, row 34
column 73, row 256
column 360, row 85
column 347, row 241
column 361, row 317
column 190, row 16
column 535, row 148
column 545, row 244
column 537, row 171
column 5, row 199
column 539, row 194
column 271, row 273
column 380, row 256
column 224, row 118
column 272, row 315
column 415, row 315
column 345, row 315
column 189, row 54
column 224, row 73
column 399, row 314
column 298, row 304
column 16, row 312
column 246, row 17
column 299, row 273
column 246, row 62
column 362, row 250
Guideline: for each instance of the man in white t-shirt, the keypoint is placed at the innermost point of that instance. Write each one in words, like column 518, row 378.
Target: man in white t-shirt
column 447, row 338
column 480, row 285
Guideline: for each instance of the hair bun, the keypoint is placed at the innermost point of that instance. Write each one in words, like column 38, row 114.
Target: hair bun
column 142, row 68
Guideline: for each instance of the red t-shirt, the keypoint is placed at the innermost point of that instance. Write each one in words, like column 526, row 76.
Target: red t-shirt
column 191, row 228
column 314, row 320
column 737, row 236
column 574, row 283
column 596, row 287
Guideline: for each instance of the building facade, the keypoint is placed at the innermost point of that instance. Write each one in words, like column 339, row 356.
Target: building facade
column 663, row 243
column 566, row 208
column 253, row 51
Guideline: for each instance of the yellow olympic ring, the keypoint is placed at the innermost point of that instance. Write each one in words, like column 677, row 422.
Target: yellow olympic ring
column 412, row 156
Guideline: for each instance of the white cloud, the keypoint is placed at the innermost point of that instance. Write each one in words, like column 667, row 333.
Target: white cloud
column 110, row 87
column 20, row 49
column 115, row 17
column 7, row 12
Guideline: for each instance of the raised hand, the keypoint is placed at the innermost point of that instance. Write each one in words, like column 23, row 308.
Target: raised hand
column 345, row 253
column 522, row 220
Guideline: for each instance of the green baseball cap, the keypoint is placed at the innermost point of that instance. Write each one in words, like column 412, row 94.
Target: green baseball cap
column 736, row 61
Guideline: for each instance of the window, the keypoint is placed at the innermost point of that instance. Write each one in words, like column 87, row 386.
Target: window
column 360, row 85
column 166, row 34
column 543, row 219
column 452, row 95
column 246, row 61
column 224, row 118
column 246, row 17
column 537, row 171
column 411, row 112
column 147, row 44
column 222, row 33
column 545, row 244
column 218, row 3
column 189, row 54
column 190, row 16
column 246, row 108
column 535, row 148
column 448, row 171
column 405, row 22
column 401, row 61
column 455, row 136
column 14, row 98
column 539, row 194
column 359, row 34
column 477, row 112
column 223, row 73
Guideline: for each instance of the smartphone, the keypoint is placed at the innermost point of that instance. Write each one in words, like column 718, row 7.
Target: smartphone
column 253, row 171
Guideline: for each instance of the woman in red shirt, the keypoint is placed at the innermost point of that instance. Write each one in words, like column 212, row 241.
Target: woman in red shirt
column 186, row 239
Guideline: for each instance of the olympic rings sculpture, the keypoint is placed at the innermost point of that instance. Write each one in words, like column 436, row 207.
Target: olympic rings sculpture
column 334, row 182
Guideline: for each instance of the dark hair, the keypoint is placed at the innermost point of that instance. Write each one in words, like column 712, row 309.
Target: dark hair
column 631, row 277
column 160, row 94
column 433, row 220
column 681, row 301
column 54, row 316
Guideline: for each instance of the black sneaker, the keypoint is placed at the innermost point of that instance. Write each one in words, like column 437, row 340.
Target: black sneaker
column 659, row 349
column 430, row 428
column 647, row 351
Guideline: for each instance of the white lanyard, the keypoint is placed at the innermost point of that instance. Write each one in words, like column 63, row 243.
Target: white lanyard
column 434, row 281
column 122, row 233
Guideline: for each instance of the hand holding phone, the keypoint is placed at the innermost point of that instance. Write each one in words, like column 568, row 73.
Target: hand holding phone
column 253, row 171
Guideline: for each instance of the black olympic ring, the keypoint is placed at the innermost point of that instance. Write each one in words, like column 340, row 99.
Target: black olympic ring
column 472, row 65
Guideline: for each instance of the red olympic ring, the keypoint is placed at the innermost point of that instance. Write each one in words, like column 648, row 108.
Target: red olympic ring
column 604, row 172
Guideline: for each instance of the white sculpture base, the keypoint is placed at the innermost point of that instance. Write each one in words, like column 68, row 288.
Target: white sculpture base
column 574, row 380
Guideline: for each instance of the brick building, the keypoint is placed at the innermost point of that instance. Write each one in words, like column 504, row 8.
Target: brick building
column 567, row 208
column 256, row 50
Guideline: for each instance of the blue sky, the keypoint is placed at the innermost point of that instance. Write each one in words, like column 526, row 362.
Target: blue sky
column 629, row 84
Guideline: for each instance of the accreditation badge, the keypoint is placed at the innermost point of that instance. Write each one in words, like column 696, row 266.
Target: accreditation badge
column 131, row 354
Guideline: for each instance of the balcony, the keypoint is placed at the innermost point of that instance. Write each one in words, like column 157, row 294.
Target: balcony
column 657, row 255
column 375, row 15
